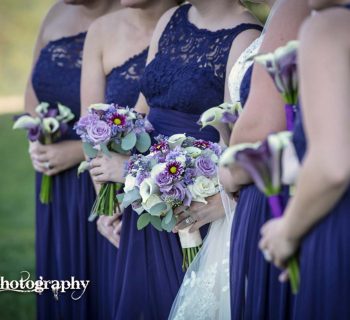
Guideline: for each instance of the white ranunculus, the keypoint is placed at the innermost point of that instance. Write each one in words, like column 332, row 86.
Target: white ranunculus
column 157, row 169
column 176, row 140
column 151, row 202
column 202, row 188
column 147, row 188
column 130, row 183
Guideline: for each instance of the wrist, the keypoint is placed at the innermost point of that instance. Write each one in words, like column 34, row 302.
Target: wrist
column 290, row 230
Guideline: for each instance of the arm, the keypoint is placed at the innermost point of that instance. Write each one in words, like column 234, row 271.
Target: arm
column 323, row 179
column 264, row 113
column 93, row 78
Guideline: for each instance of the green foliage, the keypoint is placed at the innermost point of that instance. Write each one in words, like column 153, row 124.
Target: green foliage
column 19, row 25
column 16, row 219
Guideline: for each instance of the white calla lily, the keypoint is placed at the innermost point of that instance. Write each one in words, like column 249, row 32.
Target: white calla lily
column 26, row 122
column 43, row 107
column 227, row 158
column 99, row 106
column 147, row 188
column 130, row 183
column 176, row 140
column 50, row 125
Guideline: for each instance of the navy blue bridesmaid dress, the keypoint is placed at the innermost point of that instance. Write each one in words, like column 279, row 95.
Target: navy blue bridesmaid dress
column 65, row 240
column 256, row 292
column 324, row 257
column 186, row 77
column 122, row 88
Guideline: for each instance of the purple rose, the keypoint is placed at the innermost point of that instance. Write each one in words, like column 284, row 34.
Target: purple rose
column 206, row 166
column 163, row 179
column 99, row 132
column 177, row 192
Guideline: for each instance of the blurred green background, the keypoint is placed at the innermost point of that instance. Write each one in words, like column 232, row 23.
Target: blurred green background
column 19, row 25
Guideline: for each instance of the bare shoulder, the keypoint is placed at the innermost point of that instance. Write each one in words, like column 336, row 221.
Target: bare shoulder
column 329, row 27
column 163, row 21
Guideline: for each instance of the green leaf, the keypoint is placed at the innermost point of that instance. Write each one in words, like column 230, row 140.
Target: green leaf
column 143, row 221
column 131, row 197
column 156, row 222
column 170, row 225
column 105, row 150
column 89, row 150
column 168, row 216
column 143, row 142
column 117, row 148
column 129, row 141
column 158, row 209
column 120, row 197
column 139, row 210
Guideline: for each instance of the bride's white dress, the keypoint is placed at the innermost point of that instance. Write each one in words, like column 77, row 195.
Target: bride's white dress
column 205, row 291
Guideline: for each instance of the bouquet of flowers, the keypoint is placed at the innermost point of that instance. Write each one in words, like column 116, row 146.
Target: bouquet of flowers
column 282, row 67
column 178, row 171
column 224, row 113
column 263, row 162
column 109, row 127
column 47, row 127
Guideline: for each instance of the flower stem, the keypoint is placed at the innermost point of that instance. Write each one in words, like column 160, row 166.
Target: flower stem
column 46, row 189
column 294, row 274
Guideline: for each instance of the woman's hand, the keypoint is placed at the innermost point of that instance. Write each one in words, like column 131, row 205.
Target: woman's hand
column 54, row 158
column 105, row 168
column 110, row 228
column 199, row 214
column 275, row 243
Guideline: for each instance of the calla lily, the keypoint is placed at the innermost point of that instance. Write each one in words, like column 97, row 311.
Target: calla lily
column 228, row 156
column 26, row 122
column 42, row 108
column 224, row 113
column 50, row 125
column 64, row 113
column 99, row 106
column 282, row 67
column 147, row 188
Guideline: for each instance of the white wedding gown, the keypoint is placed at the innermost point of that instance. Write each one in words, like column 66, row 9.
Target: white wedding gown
column 205, row 291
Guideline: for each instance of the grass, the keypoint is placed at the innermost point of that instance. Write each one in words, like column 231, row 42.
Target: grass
column 16, row 220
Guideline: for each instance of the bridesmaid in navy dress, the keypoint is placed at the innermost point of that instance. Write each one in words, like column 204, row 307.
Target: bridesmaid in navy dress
column 185, row 76
column 255, row 290
column 65, row 242
column 317, row 217
column 111, row 74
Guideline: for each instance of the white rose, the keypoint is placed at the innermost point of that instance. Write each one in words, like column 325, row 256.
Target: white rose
column 130, row 183
column 193, row 152
column 157, row 169
column 147, row 188
column 176, row 140
column 151, row 202
column 202, row 188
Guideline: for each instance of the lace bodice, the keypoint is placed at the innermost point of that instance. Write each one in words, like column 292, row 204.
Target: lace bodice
column 123, row 82
column 240, row 75
column 188, row 72
column 57, row 72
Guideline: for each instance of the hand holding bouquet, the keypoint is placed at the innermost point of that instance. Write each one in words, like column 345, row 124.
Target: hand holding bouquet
column 106, row 128
column 263, row 162
column 47, row 127
column 178, row 171
column 282, row 67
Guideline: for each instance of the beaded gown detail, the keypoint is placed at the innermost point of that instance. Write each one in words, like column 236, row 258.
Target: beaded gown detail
column 122, row 88
column 186, row 77
column 65, row 240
